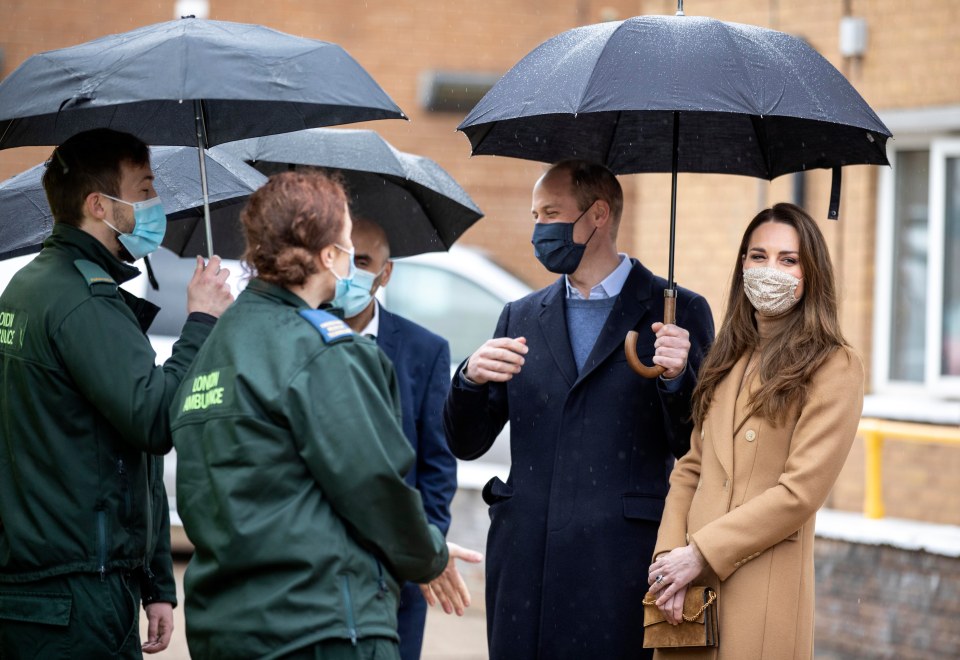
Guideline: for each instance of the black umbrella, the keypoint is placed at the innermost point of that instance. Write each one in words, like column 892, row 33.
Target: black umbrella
column 420, row 206
column 26, row 219
column 188, row 82
column 679, row 94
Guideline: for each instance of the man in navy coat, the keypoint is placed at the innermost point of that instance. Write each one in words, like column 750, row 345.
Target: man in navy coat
column 592, row 443
column 422, row 362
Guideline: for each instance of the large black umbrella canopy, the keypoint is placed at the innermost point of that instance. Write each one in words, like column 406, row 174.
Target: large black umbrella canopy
column 419, row 205
column 679, row 94
column 188, row 82
column 26, row 220
column 752, row 101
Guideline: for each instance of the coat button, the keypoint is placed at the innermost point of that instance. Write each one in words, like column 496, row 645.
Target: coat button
column 751, row 435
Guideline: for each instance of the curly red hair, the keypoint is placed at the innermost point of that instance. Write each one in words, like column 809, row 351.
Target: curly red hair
column 288, row 221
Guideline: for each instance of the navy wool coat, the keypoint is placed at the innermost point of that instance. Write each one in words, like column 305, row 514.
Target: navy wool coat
column 573, row 529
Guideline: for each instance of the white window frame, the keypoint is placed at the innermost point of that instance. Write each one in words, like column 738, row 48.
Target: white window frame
column 940, row 151
column 940, row 147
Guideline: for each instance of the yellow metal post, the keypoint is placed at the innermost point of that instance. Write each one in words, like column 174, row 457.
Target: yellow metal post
column 873, row 480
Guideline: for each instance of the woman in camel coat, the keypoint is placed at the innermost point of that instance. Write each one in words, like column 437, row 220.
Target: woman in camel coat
column 775, row 410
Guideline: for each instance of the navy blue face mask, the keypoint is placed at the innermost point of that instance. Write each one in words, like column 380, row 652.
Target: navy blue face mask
column 555, row 248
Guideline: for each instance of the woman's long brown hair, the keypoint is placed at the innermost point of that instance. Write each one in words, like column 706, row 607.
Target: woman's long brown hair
column 811, row 331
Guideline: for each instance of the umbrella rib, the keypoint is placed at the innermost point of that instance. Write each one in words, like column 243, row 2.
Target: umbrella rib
column 613, row 138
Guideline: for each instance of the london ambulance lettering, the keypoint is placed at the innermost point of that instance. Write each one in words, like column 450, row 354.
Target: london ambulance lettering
column 12, row 325
column 209, row 390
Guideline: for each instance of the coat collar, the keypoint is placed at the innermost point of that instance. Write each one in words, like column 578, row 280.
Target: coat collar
column 628, row 311
column 276, row 293
column 84, row 246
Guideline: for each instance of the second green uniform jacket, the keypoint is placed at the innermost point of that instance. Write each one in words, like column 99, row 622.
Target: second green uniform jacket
column 289, row 484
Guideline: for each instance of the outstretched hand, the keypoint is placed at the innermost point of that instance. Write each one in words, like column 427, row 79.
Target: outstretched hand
column 449, row 589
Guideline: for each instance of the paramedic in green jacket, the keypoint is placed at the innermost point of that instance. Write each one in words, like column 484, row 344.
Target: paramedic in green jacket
column 84, row 527
column 290, row 456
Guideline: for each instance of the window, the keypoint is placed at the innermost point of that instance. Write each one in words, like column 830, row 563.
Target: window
column 917, row 321
column 460, row 311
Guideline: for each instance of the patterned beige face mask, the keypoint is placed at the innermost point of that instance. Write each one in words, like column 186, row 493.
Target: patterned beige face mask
column 771, row 292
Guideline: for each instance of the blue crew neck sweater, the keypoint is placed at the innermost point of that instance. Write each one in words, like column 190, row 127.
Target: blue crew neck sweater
column 585, row 319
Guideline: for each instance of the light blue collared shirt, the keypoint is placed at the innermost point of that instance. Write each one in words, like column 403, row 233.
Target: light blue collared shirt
column 610, row 287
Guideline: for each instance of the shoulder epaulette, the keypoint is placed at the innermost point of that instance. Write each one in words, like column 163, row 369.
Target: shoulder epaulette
column 97, row 279
column 331, row 329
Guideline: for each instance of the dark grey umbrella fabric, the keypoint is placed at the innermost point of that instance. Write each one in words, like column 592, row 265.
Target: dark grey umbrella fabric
column 26, row 220
column 752, row 101
column 419, row 205
column 248, row 80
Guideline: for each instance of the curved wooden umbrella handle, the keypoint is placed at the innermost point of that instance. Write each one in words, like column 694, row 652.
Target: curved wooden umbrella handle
column 630, row 343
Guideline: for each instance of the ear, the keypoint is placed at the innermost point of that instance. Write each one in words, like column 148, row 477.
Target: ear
column 601, row 213
column 93, row 206
column 387, row 272
column 327, row 256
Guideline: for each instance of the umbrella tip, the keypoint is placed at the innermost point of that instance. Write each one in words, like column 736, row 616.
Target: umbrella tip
column 680, row 8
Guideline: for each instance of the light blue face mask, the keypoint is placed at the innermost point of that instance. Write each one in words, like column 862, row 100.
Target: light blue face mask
column 344, row 284
column 149, row 226
column 360, row 293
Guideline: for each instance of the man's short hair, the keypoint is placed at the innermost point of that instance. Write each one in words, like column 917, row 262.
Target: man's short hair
column 592, row 181
column 86, row 163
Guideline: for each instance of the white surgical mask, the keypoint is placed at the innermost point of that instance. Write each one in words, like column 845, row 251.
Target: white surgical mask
column 771, row 292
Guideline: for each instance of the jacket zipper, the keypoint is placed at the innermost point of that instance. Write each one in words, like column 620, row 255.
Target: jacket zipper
column 348, row 603
column 102, row 542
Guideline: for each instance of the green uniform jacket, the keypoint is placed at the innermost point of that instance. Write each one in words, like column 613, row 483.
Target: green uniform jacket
column 290, row 458
column 83, row 419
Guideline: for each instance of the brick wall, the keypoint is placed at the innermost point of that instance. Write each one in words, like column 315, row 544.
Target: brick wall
column 919, row 482
column 883, row 602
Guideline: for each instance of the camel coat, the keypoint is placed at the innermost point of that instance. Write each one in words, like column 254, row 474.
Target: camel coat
column 747, row 494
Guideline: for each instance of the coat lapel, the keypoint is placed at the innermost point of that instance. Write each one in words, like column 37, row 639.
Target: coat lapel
column 388, row 334
column 720, row 425
column 628, row 311
column 553, row 325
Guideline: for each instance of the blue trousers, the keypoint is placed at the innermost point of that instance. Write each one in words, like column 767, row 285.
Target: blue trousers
column 410, row 621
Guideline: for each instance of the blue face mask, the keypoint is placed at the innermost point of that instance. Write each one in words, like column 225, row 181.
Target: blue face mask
column 554, row 247
column 360, row 293
column 344, row 284
column 149, row 226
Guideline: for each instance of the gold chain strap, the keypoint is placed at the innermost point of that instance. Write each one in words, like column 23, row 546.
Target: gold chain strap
column 712, row 597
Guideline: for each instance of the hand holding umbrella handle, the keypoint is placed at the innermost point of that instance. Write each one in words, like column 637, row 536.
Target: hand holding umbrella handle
column 630, row 343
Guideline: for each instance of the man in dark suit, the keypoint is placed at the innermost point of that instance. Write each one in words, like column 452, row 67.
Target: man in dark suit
column 422, row 362
column 592, row 443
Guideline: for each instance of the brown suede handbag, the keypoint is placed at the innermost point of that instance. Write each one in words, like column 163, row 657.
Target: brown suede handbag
column 698, row 628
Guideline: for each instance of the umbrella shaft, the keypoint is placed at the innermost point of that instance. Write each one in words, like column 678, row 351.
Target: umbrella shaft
column 201, row 149
column 673, row 195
